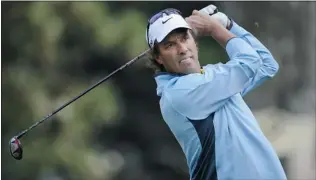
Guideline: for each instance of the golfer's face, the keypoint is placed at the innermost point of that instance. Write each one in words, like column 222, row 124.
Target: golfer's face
column 178, row 53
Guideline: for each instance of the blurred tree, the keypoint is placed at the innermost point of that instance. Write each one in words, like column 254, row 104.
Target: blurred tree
column 47, row 45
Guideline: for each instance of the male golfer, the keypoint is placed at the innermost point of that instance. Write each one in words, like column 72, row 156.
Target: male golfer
column 204, row 106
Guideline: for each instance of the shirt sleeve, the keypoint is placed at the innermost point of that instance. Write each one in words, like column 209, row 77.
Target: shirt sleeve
column 197, row 95
column 269, row 66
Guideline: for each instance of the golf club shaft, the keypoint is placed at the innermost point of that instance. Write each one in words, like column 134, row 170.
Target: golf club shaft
column 83, row 93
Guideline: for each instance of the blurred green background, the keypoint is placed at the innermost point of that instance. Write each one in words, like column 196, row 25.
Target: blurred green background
column 52, row 51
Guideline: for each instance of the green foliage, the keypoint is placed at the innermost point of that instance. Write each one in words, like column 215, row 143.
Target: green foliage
column 33, row 85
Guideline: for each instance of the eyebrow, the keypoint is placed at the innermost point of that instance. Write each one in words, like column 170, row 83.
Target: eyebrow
column 167, row 42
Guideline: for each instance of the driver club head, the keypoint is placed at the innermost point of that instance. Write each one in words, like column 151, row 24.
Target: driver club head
column 16, row 148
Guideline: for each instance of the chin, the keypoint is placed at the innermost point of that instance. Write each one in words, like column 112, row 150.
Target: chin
column 191, row 71
column 190, row 68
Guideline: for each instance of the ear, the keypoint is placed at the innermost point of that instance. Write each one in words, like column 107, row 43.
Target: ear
column 159, row 59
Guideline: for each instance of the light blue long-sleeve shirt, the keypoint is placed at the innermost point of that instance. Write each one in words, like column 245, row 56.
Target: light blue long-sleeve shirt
column 215, row 128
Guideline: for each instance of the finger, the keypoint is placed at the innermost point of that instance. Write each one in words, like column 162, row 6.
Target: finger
column 191, row 22
column 195, row 12
column 188, row 20
column 193, row 19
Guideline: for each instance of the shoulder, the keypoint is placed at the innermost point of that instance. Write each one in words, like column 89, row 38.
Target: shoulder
column 175, row 92
column 180, row 94
column 179, row 87
column 191, row 81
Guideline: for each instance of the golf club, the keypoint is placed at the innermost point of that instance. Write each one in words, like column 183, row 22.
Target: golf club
column 15, row 144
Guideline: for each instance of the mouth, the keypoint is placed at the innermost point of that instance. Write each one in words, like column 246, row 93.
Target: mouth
column 186, row 59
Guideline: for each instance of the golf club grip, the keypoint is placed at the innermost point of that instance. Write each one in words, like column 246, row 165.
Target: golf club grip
column 83, row 93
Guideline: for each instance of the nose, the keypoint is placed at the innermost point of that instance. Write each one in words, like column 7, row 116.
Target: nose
column 182, row 48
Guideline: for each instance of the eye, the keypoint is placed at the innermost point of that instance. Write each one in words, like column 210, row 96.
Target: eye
column 169, row 45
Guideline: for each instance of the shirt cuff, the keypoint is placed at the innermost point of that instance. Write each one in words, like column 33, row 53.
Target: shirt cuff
column 237, row 30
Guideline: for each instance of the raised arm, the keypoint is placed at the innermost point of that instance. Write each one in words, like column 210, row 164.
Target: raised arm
column 269, row 66
column 196, row 96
